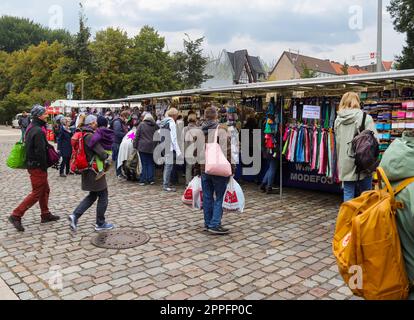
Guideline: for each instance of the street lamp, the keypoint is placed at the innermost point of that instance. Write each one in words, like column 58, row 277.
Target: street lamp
column 379, row 37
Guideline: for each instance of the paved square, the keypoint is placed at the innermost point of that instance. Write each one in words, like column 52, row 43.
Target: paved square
column 276, row 249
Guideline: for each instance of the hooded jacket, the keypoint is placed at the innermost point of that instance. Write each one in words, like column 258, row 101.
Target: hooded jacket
column 144, row 138
column 398, row 164
column 346, row 128
column 88, row 176
column 168, row 123
column 103, row 136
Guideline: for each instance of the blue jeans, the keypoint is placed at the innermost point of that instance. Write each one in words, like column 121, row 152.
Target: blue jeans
column 168, row 169
column 148, row 167
column 115, row 152
column 23, row 130
column 269, row 177
column 353, row 189
column 213, row 206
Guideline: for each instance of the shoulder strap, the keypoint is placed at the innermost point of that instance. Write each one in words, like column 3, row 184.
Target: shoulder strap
column 364, row 118
column 403, row 185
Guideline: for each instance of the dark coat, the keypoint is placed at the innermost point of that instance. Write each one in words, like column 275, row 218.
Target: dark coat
column 37, row 145
column 88, row 176
column 64, row 143
column 24, row 122
column 120, row 129
column 144, row 138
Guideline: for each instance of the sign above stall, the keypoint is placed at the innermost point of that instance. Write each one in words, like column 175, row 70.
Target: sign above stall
column 298, row 94
column 311, row 112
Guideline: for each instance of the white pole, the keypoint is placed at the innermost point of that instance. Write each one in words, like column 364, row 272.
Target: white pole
column 379, row 37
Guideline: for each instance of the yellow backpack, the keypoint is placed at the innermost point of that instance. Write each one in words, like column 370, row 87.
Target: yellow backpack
column 367, row 246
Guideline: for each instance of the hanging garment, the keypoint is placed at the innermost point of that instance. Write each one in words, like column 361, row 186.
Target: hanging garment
column 300, row 150
column 314, row 148
column 322, row 154
column 292, row 145
column 329, row 171
column 307, row 146
column 318, row 149
column 286, row 135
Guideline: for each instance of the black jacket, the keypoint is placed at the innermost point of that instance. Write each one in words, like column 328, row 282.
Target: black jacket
column 37, row 146
column 144, row 138
column 24, row 122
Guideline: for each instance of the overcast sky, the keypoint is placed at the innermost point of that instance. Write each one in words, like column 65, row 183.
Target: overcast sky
column 325, row 29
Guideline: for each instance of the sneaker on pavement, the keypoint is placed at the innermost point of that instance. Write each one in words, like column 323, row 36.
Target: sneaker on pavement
column 73, row 222
column 63, row 175
column 49, row 218
column 169, row 189
column 142, row 184
column 104, row 227
column 218, row 230
column 152, row 183
column 17, row 223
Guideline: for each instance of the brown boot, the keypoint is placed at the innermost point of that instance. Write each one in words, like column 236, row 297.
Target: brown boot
column 49, row 218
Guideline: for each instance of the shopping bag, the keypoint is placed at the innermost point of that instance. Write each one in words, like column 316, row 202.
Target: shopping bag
column 17, row 156
column 198, row 199
column 216, row 162
column 197, row 193
column 187, row 197
column 234, row 197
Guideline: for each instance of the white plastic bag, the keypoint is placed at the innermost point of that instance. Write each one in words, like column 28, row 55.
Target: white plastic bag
column 234, row 197
column 198, row 195
column 188, row 197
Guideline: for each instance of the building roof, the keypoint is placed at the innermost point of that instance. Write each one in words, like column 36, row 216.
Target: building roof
column 311, row 63
column 351, row 69
column 239, row 58
column 386, row 65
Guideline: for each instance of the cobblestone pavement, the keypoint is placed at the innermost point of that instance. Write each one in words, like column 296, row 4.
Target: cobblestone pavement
column 276, row 250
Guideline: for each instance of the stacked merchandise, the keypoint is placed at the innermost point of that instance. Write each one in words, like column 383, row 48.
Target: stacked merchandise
column 253, row 102
column 312, row 141
column 270, row 129
column 392, row 113
column 232, row 116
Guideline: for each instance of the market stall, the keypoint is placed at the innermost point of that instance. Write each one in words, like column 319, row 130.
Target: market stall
column 305, row 112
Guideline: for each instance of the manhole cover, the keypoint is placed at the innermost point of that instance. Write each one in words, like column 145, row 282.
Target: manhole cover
column 120, row 239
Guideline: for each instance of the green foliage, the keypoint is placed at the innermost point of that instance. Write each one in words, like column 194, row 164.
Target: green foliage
column 112, row 49
column 345, row 68
column 19, row 33
column 151, row 65
column 308, row 73
column 402, row 13
column 190, row 64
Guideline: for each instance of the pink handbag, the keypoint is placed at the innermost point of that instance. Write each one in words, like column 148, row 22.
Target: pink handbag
column 216, row 162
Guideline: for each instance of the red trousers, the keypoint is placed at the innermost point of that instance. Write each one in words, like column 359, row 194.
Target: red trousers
column 40, row 193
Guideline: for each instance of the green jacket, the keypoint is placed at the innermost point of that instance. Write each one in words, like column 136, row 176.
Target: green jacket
column 346, row 127
column 398, row 164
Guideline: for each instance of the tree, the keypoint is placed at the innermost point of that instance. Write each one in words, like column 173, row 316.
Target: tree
column 80, row 53
column 111, row 49
column 151, row 64
column 308, row 73
column 20, row 33
column 345, row 68
column 190, row 64
column 402, row 13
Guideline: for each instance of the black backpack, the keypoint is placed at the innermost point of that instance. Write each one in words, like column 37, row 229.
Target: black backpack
column 365, row 150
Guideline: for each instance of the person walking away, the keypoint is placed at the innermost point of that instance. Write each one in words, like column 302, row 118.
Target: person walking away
column 24, row 122
column 398, row 164
column 37, row 165
column 190, row 136
column 144, row 143
column 174, row 149
column 347, row 124
column 214, row 187
column 120, row 128
column 105, row 137
column 98, row 189
column 65, row 147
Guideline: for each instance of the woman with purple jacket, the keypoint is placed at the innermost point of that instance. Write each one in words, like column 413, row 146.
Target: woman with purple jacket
column 105, row 137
